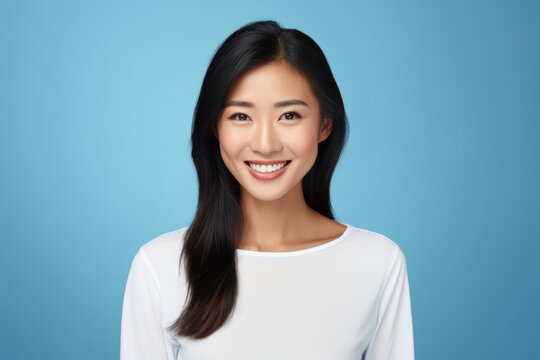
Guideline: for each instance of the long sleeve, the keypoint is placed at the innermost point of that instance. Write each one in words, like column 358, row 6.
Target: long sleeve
column 142, row 335
column 393, row 336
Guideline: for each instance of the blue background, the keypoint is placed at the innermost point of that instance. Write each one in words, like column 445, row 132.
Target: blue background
column 96, row 101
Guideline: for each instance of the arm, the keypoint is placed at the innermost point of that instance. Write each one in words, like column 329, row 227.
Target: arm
column 142, row 336
column 393, row 335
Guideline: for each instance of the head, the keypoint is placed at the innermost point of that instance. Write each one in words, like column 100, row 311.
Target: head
column 264, row 65
column 270, row 114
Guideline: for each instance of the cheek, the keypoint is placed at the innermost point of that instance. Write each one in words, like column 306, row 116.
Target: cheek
column 306, row 148
column 230, row 142
column 304, row 143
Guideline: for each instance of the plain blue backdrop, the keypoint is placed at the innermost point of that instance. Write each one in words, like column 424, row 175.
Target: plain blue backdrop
column 96, row 102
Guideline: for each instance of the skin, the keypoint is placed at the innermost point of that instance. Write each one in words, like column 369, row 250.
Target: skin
column 277, row 217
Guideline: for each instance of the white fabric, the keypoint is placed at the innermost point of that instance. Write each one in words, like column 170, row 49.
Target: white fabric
column 347, row 299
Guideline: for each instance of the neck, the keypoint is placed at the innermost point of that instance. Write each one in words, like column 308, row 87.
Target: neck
column 277, row 223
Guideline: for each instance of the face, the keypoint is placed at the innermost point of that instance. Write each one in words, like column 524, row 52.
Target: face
column 270, row 115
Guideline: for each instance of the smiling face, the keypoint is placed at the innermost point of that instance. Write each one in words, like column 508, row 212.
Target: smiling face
column 270, row 115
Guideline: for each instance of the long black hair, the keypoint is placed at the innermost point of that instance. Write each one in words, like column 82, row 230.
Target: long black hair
column 211, row 240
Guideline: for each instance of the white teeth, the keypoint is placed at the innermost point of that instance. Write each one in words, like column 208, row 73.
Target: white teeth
column 267, row 168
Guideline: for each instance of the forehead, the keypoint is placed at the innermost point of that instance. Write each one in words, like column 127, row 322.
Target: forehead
column 271, row 82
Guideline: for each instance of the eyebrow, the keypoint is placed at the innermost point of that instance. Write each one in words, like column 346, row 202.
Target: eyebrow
column 276, row 105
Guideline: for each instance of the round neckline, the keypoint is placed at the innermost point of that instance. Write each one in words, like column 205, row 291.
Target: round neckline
column 297, row 252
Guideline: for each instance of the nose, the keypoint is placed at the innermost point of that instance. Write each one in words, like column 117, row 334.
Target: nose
column 265, row 137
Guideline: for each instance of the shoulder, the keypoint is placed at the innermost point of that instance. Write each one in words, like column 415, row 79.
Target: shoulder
column 372, row 248
column 161, row 255
column 165, row 244
column 372, row 241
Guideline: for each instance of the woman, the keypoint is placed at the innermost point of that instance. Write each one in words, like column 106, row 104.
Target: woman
column 264, row 271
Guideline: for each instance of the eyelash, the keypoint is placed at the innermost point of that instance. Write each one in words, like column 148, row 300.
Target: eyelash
column 297, row 116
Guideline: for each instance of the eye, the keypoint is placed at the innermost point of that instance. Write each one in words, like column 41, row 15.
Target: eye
column 291, row 115
column 238, row 116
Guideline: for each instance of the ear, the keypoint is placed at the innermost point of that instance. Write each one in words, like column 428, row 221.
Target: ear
column 325, row 129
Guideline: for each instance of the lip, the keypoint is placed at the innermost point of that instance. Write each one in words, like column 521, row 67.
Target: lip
column 267, row 162
column 267, row 176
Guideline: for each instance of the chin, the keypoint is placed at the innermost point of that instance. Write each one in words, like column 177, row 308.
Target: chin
column 263, row 195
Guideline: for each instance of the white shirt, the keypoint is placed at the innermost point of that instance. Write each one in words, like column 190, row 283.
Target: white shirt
column 347, row 299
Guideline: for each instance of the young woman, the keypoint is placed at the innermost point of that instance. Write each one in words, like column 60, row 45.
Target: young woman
column 264, row 271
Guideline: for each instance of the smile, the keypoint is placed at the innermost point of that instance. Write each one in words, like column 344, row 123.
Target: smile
column 263, row 169
column 268, row 171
